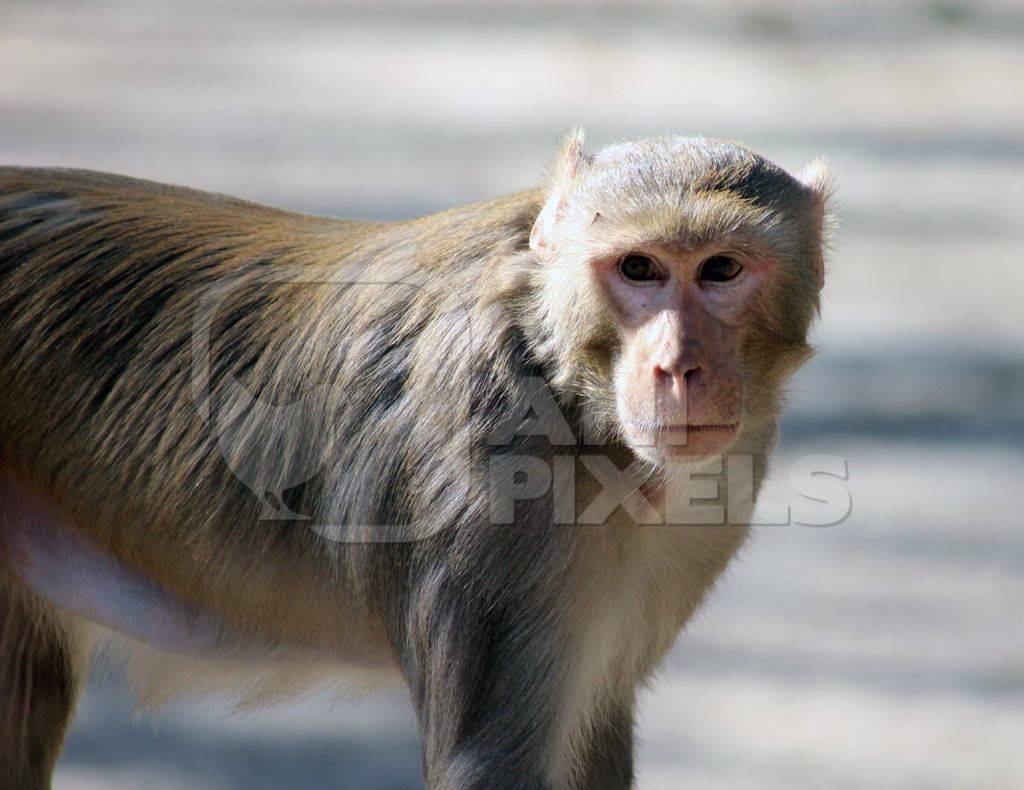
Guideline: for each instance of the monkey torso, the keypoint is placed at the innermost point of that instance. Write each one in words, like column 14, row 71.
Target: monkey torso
column 102, row 280
column 227, row 368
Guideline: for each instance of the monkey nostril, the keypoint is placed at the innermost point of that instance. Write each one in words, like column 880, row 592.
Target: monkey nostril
column 662, row 375
column 669, row 375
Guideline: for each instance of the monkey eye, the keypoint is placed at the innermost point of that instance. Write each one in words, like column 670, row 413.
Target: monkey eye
column 719, row 269
column 639, row 268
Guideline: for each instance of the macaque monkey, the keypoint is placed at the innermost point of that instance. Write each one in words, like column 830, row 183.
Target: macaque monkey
column 461, row 451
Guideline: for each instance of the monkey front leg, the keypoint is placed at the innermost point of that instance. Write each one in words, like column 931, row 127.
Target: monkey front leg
column 488, row 676
column 487, row 699
column 607, row 759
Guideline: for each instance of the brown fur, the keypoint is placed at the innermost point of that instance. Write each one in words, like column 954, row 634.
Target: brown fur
column 355, row 371
column 38, row 687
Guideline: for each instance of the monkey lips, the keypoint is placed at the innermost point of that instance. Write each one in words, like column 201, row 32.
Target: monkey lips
column 682, row 440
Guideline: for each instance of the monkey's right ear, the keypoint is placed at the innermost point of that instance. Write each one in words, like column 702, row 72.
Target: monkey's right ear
column 817, row 179
column 569, row 165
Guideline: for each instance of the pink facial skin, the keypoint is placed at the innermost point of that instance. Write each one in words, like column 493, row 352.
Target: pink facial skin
column 679, row 383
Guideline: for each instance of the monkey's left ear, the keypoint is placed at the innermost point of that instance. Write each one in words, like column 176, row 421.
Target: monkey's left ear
column 817, row 179
column 569, row 166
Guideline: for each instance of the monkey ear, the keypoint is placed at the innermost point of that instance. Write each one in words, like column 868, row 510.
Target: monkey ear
column 569, row 165
column 817, row 180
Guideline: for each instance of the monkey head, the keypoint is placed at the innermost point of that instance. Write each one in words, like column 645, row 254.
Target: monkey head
column 678, row 278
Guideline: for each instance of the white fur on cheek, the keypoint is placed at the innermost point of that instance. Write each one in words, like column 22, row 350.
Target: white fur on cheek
column 629, row 413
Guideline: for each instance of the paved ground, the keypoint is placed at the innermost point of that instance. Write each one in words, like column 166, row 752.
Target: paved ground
column 887, row 652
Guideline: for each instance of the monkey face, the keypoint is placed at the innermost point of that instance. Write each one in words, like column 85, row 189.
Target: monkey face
column 679, row 279
column 678, row 378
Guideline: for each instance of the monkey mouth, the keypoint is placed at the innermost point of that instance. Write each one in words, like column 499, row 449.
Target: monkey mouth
column 684, row 427
column 656, row 429
column 687, row 439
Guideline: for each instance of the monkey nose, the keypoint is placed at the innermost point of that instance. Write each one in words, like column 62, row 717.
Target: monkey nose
column 675, row 377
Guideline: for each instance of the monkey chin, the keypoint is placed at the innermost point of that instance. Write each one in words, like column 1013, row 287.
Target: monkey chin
column 683, row 445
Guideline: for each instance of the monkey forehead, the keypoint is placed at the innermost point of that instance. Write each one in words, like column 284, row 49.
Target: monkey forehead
column 682, row 163
column 684, row 189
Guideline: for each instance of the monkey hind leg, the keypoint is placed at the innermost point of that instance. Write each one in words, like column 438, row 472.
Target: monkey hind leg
column 37, row 688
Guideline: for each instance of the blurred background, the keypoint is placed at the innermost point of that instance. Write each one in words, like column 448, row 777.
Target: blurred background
column 884, row 652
